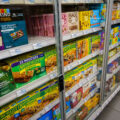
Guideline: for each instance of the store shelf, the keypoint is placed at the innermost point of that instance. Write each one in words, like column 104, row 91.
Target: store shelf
column 26, row 88
column 40, row 42
column 79, row 62
column 45, row 110
column 74, row 110
column 100, row 109
column 114, row 72
column 114, row 57
column 80, row 84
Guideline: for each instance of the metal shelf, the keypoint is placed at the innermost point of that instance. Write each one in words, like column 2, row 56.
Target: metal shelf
column 27, row 2
column 74, row 110
column 107, row 101
column 40, row 42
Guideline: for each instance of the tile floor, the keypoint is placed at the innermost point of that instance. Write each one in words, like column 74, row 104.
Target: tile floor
column 112, row 111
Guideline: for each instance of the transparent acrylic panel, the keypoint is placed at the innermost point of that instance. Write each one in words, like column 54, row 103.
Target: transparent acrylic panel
column 112, row 79
column 83, row 40
column 28, row 60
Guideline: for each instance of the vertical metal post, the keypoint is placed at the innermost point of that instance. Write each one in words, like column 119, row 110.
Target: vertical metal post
column 106, row 46
column 59, row 46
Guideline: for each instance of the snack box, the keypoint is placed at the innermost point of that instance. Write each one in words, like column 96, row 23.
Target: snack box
column 88, row 104
column 65, row 23
column 69, row 80
column 102, row 34
column 84, row 20
column 27, row 68
column 84, row 47
column 82, row 113
column 118, row 14
column 50, row 59
column 73, row 21
column 95, row 42
column 46, row 116
column 14, row 33
column 93, row 84
column 94, row 18
column 68, row 106
column 69, row 53
column 1, row 43
column 115, row 35
column 86, row 89
column 7, row 83
column 56, row 112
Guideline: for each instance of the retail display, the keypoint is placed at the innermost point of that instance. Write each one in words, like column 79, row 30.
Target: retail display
column 58, row 57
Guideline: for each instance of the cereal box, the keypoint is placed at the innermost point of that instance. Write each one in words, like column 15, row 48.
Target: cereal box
column 69, row 53
column 56, row 112
column 84, row 20
column 114, row 14
column 94, row 61
column 93, row 84
column 102, row 34
column 118, row 14
column 115, row 35
column 27, row 68
column 94, row 18
column 7, row 83
column 50, row 59
column 1, row 43
column 73, row 23
column 68, row 106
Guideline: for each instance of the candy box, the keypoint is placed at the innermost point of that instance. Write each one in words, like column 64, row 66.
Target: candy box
column 64, row 23
column 69, row 53
column 86, row 89
column 73, row 23
column 84, row 20
column 94, row 18
column 50, row 59
column 46, row 116
column 27, row 68
column 14, row 33
column 7, row 83
column 95, row 42
column 68, row 106
column 56, row 112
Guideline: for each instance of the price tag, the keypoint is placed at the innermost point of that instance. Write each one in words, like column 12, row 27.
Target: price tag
column 53, row 75
column 74, row 35
column 21, row 92
column 38, row 45
column 15, row 51
column 69, row 67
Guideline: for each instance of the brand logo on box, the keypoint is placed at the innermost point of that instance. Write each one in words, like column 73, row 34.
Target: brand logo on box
column 4, row 12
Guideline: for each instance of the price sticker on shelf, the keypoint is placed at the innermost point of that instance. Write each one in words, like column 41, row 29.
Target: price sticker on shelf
column 53, row 75
column 15, row 51
column 74, row 35
column 21, row 92
column 37, row 45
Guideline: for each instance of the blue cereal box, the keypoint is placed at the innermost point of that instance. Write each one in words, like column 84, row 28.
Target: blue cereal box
column 94, row 18
column 14, row 33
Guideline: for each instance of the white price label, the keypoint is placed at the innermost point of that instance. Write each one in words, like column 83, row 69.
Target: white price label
column 21, row 92
column 37, row 45
column 74, row 35
column 15, row 51
column 69, row 67
column 53, row 75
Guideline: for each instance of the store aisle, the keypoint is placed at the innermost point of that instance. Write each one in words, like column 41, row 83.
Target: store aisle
column 112, row 111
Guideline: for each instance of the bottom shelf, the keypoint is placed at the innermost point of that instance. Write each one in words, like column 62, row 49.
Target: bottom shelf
column 98, row 109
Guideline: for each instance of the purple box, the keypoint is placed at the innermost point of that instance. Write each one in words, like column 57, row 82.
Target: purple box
column 1, row 43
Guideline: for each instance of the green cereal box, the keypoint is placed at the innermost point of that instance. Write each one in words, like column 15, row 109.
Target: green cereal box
column 7, row 83
column 95, row 42
column 50, row 59
column 28, row 69
column 69, row 53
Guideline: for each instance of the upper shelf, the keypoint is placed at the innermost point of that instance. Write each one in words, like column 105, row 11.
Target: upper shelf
column 40, row 42
column 45, row 2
